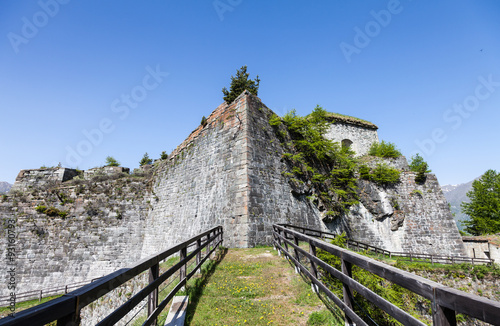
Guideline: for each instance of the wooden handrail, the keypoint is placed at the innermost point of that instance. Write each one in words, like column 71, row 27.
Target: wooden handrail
column 446, row 302
column 364, row 246
column 66, row 309
column 39, row 294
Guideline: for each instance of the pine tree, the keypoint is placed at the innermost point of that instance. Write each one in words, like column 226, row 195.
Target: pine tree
column 110, row 161
column 484, row 205
column 239, row 84
column 145, row 160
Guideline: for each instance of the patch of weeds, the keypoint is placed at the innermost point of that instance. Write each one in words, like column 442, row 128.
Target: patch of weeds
column 324, row 318
column 51, row 211
column 417, row 192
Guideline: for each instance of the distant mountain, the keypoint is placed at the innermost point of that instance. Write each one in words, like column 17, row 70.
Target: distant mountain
column 455, row 195
column 4, row 187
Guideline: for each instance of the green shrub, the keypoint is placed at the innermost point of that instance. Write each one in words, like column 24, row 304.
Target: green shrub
column 364, row 172
column 391, row 292
column 110, row 161
column 417, row 192
column 418, row 164
column 145, row 160
column 239, row 84
column 385, row 175
column 51, row 211
column 41, row 208
column 382, row 174
column 203, row 121
column 312, row 157
column 275, row 120
column 421, row 167
column 384, row 149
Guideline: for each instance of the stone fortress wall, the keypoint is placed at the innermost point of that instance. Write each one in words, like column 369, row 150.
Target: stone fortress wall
column 228, row 172
column 358, row 134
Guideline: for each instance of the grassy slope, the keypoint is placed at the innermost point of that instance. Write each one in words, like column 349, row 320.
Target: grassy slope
column 255, row 287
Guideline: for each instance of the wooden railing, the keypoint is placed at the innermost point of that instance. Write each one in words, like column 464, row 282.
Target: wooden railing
column 42, row 293
column 411, row 256
column 66, row 309
column 446, row 302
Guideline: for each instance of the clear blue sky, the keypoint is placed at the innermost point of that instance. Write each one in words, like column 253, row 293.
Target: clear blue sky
column 81, row 80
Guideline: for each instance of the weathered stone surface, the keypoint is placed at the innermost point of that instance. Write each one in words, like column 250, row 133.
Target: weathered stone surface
column 375, row 200
column 104, row 171
column 39, row 178
column 399, row 163
column 102, row 232
column 359, row 137
column 422, row 224
column 227, row 173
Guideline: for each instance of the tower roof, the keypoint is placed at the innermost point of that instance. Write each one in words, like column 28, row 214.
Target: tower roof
column 351, row 120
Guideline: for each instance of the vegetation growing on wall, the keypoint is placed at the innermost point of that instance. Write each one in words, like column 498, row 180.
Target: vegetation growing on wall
column 384, row 149
column 382, row 174
column 111, row 161
column 239, row 84
column 316, row 162
column 145, row 160
column 420, row 166
column 51, row 211
column 396, row 294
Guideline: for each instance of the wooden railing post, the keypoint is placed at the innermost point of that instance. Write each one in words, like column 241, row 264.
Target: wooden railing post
column 347, row 293
column 278, row 237
column 198, row 255
column 285, row 243
column 207, row 251
column 314, row 269
column 182, row 270
column 154, row 272
column 69, row 320
column 296, row 252
column 442, row 316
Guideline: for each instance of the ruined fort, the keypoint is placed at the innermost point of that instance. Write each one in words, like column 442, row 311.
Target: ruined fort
column 77, row 225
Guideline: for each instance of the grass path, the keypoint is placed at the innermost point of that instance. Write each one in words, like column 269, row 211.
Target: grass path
column 254, row 287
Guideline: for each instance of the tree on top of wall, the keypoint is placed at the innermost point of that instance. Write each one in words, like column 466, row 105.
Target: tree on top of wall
column 145, row 160
column 110, row 161
column 239, row 84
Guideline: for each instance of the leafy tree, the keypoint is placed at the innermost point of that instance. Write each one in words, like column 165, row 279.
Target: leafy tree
column 110, row 161
column 239, row 84
column 420, row 166
column 484, row 206
column 145, row 160
column 163, row 155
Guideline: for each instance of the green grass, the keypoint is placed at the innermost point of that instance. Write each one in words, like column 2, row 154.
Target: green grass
column 323, row 317
column 4, row 311
column 251, row 287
